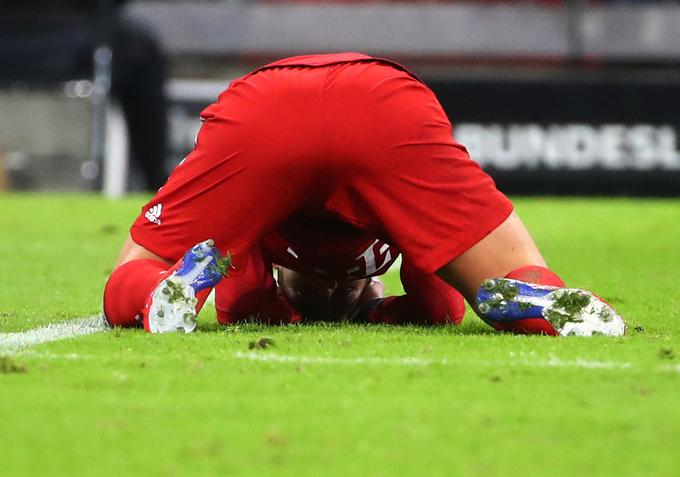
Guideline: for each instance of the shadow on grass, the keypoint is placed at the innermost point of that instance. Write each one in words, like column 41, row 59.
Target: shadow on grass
column 469, row 327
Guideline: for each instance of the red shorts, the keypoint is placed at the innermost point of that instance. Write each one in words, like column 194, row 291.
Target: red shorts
column 344, row 137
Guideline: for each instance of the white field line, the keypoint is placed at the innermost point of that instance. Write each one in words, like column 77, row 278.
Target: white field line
column 18, row 342
column 555, row 362
column 269, row 357
column 675, row 368
column 13, row 342
column 53, row 356
column 552, row 362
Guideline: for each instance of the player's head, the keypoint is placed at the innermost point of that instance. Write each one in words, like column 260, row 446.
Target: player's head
column 319, row 298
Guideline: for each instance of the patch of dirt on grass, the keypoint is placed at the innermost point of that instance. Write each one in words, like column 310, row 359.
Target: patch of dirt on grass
column 9, row 366
column 262, row 343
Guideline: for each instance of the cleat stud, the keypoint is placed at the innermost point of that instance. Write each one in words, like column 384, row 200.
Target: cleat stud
column 166, row 291
column 160, row 314
column 572, row 303
column 503, row 306
column 210, row 242
column 484, row 308
column 489, row 284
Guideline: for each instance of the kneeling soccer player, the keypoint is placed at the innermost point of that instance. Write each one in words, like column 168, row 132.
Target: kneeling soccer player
column 338, row 139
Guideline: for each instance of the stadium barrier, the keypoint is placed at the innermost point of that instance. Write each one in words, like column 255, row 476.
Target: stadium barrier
column 573, row 133
column 617, row 31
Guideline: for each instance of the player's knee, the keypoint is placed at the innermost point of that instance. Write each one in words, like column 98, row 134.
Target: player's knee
column 224, row 317
column 257, row 305
column 447, row 311
column 119, row 312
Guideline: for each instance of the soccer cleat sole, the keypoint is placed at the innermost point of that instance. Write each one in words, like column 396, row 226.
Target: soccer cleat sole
column 570, row 311
column 173, row 307
column 173, row 302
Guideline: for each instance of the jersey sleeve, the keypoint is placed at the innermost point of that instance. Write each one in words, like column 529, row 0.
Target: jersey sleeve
column 250, row 294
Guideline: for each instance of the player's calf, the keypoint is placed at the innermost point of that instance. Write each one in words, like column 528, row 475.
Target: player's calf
column 506, row 304
column 172, row 305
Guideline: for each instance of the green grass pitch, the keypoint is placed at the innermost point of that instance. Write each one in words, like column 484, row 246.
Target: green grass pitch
column 341, row 400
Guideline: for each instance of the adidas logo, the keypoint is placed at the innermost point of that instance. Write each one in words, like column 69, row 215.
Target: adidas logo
column 153, row 215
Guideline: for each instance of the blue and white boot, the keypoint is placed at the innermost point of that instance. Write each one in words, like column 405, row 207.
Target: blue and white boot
column 569, row 311
column 172, row 305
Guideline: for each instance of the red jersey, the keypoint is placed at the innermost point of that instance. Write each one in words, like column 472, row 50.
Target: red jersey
column 330, row 248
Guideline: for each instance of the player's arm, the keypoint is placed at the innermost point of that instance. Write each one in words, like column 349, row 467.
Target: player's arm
column 428, row 300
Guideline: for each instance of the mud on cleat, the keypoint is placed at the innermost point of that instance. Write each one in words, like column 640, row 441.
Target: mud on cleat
column 172, row 304
column 569, row 311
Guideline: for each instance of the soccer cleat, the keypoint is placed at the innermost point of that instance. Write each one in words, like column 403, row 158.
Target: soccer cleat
column 172, row 304
column 569, row 311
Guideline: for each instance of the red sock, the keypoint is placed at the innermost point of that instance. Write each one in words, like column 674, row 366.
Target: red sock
column 536, row 274
column 129, row 287
column 540, row 276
